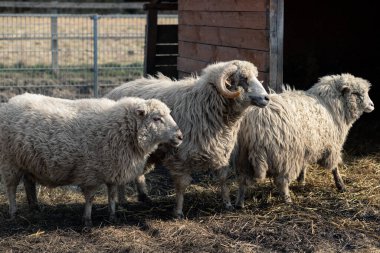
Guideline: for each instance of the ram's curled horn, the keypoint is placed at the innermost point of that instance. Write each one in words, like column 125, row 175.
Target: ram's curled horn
column 221, row 83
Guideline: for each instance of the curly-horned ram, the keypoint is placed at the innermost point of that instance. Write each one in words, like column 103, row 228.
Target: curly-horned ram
column 208, row 109
column 86, row 142
column 299, row 128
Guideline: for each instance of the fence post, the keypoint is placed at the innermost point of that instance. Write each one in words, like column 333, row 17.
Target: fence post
column 95, row 66
column 54, row 41
column 150, row 40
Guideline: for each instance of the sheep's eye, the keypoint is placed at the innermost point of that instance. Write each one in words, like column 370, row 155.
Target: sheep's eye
column 244, row 79
column 157, row 119
column 360, row 96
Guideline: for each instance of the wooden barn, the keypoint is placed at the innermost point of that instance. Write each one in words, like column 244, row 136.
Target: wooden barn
column 221, row 30
column 292, row 42
column 214, row 30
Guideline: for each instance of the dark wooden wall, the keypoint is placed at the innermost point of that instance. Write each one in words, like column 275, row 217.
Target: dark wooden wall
column 222, row 30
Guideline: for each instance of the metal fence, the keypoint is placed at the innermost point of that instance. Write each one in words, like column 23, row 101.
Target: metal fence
column 70, row 56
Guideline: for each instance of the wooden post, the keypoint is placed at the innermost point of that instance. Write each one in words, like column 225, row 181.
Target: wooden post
column 150, row 40
column 54, row 41
column 276, row 23
column 95, row 19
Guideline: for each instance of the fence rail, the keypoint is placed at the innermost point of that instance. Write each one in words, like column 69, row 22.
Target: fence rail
column 70, row 5
column 70, row 55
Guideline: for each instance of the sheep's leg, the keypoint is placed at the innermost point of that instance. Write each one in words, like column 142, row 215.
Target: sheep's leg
column 31, row 192
column 142, row 189
column 89, row 197
column 225, row 190
column 181, row 182
column 112, row 189
column 121, row 195
column 283, row 185
column 241, row 194
column 338, row 180
column 243, row 168
column 301, row 177
column 11, row 178
column 11, row 194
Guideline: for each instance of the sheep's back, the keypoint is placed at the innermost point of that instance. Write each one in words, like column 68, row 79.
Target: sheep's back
column 47, row 137
column 318, row 130
column 198, row 111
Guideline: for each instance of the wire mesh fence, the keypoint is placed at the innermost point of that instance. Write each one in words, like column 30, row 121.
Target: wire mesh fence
column 70, row 56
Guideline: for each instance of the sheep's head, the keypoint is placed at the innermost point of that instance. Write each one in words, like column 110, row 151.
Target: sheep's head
column 157, row 125
column 355, row 92
column 351, row 90
column 237, row 80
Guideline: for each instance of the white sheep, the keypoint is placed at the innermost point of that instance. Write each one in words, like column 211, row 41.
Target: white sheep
column 86, row 142
column 207, row 109
column 299, row 128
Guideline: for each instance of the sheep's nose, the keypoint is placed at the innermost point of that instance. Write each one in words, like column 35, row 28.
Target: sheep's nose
column 178, row 138
column 370, row 107
column 180, row 135
column 266, row 98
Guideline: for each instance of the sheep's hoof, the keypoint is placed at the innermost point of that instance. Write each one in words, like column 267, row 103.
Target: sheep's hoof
column 302, row 183
column 229, row 207
column 239, row 206
column 144, row 199
column 179, row 215
column 87, row 222
column 35, row 208
column 341, row 187
column 288, row 199
column 113, row 218
column 12, row 218
column 86, row 229
column 123, row 204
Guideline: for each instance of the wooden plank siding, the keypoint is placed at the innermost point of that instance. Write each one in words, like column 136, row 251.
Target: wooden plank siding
column 213, row 53
column 223, row 30
column 237, row 19
column 276, row 44
column 223, row 5
column 223, row 36
column 186, row 66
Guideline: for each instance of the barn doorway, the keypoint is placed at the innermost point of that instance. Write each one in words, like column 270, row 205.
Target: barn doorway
column 332, row 37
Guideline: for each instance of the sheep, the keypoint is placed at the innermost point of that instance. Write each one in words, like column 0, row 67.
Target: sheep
column 208, row 109
column 85, row 142
column 299, row 128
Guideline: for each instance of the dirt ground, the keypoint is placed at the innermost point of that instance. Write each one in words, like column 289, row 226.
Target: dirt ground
column 319, row 220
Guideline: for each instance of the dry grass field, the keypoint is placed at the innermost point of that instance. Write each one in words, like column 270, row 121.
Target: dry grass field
column 319, row 220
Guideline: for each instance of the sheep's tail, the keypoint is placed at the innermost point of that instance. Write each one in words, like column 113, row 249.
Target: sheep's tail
column 287, row 88
column 161, row 76
column 233, row 157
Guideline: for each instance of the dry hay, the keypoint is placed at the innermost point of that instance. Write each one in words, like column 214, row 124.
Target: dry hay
column 319, row 220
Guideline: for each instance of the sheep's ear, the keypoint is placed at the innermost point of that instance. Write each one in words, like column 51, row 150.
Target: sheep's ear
column 141, row 111
column 229, row 81
column 345, row 89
